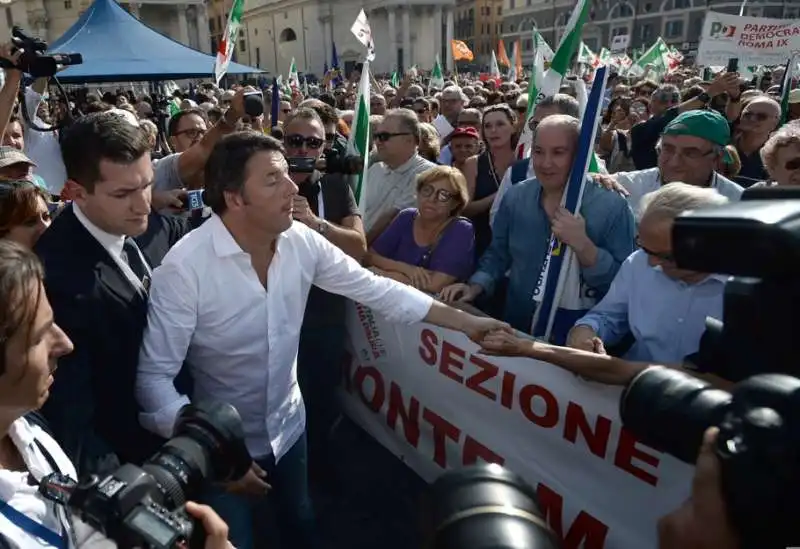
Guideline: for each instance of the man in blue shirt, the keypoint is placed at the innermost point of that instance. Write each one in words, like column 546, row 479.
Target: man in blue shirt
column 601, row 237
column 665, row 307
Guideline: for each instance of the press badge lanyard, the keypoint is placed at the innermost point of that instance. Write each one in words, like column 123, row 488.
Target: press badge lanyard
column 27, row 524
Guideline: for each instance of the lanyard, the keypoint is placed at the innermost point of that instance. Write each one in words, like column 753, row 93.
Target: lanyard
column 34, row 528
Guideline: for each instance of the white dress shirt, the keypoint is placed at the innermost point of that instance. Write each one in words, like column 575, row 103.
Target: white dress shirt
column 113, row 245
column 21, row 496
column 43, row 147
column 208, row 306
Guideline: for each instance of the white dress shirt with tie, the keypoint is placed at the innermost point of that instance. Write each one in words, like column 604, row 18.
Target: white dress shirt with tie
column 208, row 306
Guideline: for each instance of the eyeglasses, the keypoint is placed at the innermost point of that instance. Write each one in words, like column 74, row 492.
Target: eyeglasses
column 758, row 116
column 296, row 141
column 386, row 136
column 663, row 256
column 689, row 153
column 420, row 111
column 793, row 164
column 330, row 137
column 521, row 110
column 192, row 133
column 442, row 195
column 666, row 97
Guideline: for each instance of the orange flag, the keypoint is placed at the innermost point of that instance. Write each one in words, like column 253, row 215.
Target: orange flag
column 518, row 57
column 502, row 56
column 460, row 51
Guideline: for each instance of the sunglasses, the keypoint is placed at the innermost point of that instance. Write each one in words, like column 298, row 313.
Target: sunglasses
column 386, row 136
column 286, row 111
column 793, row 164
column 329, row 137
column 442, row 195
column 297, row 141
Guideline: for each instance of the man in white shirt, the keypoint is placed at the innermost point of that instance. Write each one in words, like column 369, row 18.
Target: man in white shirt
column 229, row 299
column 42, row 147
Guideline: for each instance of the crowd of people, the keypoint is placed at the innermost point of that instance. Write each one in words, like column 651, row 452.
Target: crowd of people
column 145, row 306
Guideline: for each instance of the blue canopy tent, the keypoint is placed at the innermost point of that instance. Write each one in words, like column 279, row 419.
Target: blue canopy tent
column 117, row 47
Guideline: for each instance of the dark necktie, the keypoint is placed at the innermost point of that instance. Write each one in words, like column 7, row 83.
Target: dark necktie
column 132, row 256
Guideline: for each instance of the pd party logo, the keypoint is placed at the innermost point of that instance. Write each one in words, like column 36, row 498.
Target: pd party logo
column 720, row 30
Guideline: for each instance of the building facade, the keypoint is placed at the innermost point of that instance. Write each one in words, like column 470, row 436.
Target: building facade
column 185, row 20
column 479, row 23
column 679, row 22
column 405, row 32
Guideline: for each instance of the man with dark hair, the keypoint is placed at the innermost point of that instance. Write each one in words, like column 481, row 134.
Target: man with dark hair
column 186, row 128
column 97, row 281
column 232, row 297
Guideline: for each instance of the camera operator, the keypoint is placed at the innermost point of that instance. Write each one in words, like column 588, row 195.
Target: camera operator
column 702, row 521
column 31, row 344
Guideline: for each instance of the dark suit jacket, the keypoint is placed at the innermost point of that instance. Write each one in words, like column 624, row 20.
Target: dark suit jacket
column 92, row 407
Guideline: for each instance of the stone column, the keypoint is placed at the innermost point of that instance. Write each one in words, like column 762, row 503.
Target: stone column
column 133, row 9
column 183, row 26
column 437, row 30
column 203, row 32
column 449, row 53
column 392, row 15
column 407, row 39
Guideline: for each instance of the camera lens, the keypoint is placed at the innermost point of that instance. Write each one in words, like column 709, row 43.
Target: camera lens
column 670, row 410
column 208, row 446
column 485, row 507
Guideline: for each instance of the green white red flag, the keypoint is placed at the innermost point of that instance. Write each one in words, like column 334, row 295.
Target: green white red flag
column 227, row 44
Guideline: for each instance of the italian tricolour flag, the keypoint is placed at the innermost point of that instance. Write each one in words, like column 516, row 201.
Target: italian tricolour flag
column 228, row 42
column 550, row 83
column 358, row 143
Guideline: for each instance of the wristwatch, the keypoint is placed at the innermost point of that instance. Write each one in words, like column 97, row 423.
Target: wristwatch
column 322, row 228
column 704, row 97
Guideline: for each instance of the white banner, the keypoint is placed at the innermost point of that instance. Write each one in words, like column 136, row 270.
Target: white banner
column 752, row 40
column 425, row 394
column 620, row 43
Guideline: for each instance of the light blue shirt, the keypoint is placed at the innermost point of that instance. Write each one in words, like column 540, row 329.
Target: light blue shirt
column 521, row 239
column 666, row 316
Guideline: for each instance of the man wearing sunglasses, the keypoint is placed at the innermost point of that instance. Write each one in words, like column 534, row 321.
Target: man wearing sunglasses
column 392, row 180
column 324, row 203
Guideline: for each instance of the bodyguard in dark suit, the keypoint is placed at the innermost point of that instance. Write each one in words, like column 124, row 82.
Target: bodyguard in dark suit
column 98, row 256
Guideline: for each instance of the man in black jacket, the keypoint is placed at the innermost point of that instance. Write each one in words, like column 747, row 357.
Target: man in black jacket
column 97, row 277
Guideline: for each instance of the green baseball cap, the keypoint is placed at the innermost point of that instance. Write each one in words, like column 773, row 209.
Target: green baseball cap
column 705, row 124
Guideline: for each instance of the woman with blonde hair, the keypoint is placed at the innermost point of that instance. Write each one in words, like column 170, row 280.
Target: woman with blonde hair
column 430, row 246
column 429, row 147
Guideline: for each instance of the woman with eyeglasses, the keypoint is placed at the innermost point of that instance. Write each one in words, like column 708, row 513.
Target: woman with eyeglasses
column 430, row 246
column 781, row 155
column 484, row 172
column 24, row 212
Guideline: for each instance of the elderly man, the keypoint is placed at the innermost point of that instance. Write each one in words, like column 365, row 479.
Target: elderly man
column 689, row 149
column 521, row 170
column 601, row 236
column 392, row 179
column 664, row 306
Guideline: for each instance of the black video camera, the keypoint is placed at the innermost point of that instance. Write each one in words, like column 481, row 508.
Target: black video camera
column 144, row 506
column 759, row 440
column 34, row 61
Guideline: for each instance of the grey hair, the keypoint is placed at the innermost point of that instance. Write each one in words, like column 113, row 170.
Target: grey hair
column 458, row 90
column 473, row 110
column 565, row 104
column 673, row 199
column 407, row 119
column 786, row 135
column 562, row 121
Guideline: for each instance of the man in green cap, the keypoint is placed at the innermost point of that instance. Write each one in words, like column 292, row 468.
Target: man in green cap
column 688, row 151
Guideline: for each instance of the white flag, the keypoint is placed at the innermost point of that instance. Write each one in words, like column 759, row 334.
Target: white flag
column 364, row 34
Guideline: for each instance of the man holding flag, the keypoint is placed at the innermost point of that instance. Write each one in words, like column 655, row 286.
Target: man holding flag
column 601, row 237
